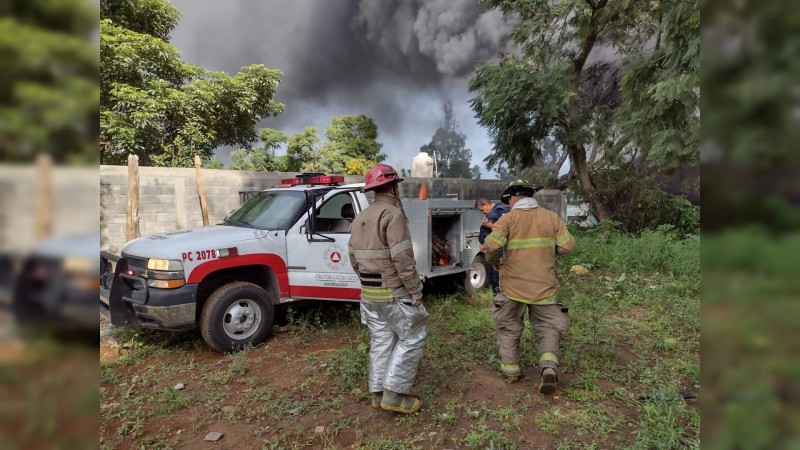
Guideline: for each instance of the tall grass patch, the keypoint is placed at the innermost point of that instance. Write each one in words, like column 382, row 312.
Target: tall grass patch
column 653, row 251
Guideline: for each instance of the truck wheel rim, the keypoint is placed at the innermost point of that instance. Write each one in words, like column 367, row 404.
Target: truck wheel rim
column 477, row 275
column 242, row 319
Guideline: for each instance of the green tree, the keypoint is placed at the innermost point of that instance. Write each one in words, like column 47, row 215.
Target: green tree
column 48, row 81
column 215, row 163
column 354, row 136
column 448, row 145
column 357, row 166
column 240, row 160
column 263, row 156
column 162, row 109
column 553, row 90
column 476, row 172
column 301, row 151
column 351, row 143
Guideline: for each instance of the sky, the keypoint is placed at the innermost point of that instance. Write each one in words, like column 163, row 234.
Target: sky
column 397, row 61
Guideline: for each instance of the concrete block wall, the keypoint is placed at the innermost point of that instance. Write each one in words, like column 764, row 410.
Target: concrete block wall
column 169, row 200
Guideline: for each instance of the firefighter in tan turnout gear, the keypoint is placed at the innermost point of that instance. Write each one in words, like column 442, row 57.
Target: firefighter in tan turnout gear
column 531, row 237
column 391, row 293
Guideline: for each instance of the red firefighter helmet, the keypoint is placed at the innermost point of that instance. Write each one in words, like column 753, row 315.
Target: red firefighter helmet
column 379, row 175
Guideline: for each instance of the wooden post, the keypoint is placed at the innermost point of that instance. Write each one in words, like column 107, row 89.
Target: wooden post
column 44, row 197
column 132, row 216
column 201, row 189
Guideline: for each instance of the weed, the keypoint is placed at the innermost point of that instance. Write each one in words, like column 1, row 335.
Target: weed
column 550, row 421
column 447, row 418
column 347, row 366
column 239, row 364
column 218, row 376
column 660, row 427
column 168, row 400
column 107, row 374
column 481, row 436
column 132, row 422
column 259, row 394
column 160, row 442
column 196, row 424
column 390, row 444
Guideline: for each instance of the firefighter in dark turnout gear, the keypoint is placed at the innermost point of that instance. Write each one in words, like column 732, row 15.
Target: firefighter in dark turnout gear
column 493, row 211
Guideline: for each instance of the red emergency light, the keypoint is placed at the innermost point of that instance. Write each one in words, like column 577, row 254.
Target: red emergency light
column 290, row 181
column 312, row 179
column 327, row 179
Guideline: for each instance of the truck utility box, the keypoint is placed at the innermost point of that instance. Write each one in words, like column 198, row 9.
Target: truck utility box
column 445, row 235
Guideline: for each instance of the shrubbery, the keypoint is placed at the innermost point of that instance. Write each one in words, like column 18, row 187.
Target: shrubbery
column 639, row 204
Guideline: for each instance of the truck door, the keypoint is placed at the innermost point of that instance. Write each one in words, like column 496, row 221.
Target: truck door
column 318, row 262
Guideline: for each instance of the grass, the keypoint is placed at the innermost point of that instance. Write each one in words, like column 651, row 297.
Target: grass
column 632, row 350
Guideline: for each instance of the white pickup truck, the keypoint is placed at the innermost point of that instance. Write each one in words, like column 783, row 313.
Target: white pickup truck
column 284, row 244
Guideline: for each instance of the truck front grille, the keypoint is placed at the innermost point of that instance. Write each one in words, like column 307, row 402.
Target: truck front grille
column 136, row 263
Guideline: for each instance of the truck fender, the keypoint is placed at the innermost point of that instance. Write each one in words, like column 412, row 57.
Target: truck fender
column 271, row 260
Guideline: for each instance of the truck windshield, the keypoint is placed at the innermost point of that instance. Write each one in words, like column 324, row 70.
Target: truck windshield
column 271, row 210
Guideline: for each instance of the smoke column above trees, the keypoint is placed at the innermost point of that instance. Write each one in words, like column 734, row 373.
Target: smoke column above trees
column 395, row 61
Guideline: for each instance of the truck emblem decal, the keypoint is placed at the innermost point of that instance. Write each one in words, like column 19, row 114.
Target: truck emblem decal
column 335, row 257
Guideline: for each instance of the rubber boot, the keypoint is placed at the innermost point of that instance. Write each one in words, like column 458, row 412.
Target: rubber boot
column 376, row 399
column 402, row 403
column 549, row 381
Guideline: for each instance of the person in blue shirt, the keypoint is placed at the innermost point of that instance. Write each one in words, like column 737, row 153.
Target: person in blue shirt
column 493, row 212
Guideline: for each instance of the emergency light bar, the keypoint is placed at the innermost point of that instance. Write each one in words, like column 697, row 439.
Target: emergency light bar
column 327, row 179
column 312, row 179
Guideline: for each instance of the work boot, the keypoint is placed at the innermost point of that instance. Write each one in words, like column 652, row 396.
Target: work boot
column 512, row 378
column 402, row 403
column 549, row 381
column 376, row 399
column 511, row 372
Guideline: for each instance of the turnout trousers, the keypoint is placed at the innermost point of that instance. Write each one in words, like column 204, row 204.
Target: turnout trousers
column 550, row 324
column 397, row 336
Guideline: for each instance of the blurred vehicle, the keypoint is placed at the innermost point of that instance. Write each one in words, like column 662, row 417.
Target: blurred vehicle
column 57, row 285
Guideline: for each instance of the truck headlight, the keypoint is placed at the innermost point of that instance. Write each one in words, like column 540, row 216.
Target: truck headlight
column 164, row 273
column 164, row 264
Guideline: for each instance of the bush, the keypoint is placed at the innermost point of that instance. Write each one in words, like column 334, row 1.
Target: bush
column 639, row 204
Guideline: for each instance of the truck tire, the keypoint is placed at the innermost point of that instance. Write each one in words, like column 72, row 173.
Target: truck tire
column 478, row 275
column 237, row 315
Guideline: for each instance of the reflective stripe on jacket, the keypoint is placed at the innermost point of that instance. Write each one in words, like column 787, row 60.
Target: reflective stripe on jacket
column 381, row 251
column 531, row 238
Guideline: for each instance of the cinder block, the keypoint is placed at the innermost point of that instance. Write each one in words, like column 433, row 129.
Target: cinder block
column 114, row 179
column 114, row 199
column 118, row 208
column 115, row 218
column 159, row 190
column 149, row 199
column 166, row 217
column 114, row 231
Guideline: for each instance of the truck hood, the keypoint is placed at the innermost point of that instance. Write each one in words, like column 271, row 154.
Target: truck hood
column 171, row 244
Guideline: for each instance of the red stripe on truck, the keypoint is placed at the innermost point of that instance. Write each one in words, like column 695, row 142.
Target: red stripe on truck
column 325, row 292
column 273, row 261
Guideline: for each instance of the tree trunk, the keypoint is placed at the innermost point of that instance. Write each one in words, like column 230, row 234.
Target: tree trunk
column 560, row 162
column 578, row 160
